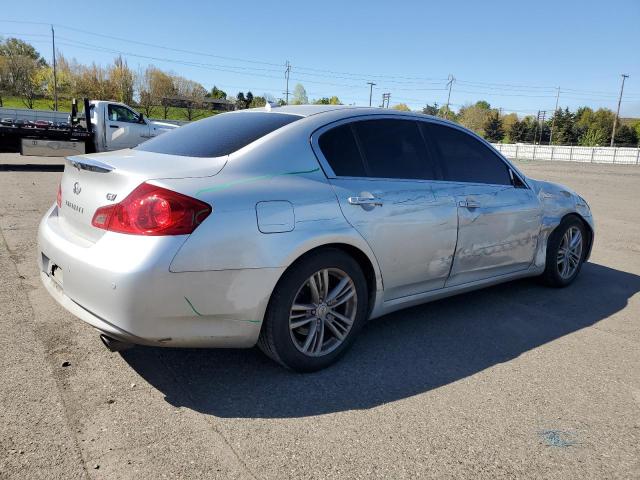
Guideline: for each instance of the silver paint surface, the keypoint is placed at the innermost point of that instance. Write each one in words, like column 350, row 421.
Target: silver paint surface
column 273, row 201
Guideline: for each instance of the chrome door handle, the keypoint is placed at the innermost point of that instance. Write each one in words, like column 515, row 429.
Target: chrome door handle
column 469, row 204
column 376, row 202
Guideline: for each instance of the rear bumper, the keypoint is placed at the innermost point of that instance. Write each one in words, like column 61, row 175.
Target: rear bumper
column 122, row 286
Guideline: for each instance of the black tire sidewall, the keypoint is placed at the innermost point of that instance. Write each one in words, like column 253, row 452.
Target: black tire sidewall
column 551, row 270
column 277, row 317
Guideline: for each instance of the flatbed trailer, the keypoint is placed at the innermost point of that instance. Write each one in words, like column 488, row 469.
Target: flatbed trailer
column 31, row 140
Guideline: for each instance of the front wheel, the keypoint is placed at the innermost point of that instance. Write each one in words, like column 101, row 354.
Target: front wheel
column 566, row 251
column 315, row 312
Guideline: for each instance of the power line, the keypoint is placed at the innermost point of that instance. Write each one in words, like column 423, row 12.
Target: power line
column 478, row 88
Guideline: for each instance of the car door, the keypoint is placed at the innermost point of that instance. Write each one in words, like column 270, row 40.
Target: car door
column 383, row 178
column 125, row 128
column 498, row 215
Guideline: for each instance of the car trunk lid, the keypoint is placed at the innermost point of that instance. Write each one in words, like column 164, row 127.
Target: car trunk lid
column 95, row 180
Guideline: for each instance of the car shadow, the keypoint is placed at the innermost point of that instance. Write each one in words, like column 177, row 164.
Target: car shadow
column 396, row 356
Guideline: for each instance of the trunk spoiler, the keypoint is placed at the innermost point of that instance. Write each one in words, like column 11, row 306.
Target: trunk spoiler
column 90, row 164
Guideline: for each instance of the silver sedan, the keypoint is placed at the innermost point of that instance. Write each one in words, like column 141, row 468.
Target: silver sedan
column 291, row 227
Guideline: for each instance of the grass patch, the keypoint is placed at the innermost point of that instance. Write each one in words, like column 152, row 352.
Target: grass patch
column 64, row 105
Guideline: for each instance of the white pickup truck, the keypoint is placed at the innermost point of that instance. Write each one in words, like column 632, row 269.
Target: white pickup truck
column 109, row 126
column 117, row 126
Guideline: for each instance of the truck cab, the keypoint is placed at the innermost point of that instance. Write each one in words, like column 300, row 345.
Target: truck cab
column 117, row 126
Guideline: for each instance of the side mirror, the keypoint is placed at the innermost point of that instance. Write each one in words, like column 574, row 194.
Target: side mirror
column 141, row 118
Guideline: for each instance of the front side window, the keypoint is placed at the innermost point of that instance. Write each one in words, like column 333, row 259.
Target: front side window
column 464, row 158
column 118, row 113
column 384, row 148
column 218, row 135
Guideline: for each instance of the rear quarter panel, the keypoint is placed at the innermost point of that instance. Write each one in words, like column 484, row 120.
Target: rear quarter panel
column 279, row 167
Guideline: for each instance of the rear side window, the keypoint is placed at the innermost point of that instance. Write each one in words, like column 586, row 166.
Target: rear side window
column 339, row 147
column 394, row 149
column 463, row 158
column 218, row 135
column 382, row 148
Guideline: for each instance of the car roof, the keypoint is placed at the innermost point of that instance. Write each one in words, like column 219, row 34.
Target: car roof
column 336, row 111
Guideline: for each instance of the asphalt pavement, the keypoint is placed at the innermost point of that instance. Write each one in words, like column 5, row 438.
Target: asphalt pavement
column 516, row 381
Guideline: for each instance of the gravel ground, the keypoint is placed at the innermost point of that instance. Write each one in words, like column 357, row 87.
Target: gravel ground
column 515, row 381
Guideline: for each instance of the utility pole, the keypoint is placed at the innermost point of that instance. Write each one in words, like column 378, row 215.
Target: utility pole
column 385, row 98
column 287, row 71
column 371, row 84
column 539, row 121
column 555, row 111
column 449, row 84
column 55, row 73
column 615, row 120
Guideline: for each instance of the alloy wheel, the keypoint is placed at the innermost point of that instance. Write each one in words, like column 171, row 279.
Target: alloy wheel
column 323, row 312
column 569, row 253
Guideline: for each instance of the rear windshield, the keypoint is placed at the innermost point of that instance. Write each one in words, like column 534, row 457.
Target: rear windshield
column 218, row 135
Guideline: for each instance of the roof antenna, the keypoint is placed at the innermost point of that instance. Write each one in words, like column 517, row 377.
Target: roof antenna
column 269, row 105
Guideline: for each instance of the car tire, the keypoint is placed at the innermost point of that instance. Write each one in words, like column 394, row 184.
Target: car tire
column 283, row 341
column 563, row 267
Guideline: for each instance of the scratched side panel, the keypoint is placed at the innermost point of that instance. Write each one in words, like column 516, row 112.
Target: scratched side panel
column 411, row 233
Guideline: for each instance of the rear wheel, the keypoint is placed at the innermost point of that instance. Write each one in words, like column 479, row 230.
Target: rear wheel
column 566, row 250
column 315, row 312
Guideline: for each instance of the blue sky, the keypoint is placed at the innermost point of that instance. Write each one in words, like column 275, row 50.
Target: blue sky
column 511, row 53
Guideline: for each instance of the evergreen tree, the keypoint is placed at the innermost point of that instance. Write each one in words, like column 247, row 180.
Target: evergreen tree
column 431, row 109
column 493, row 129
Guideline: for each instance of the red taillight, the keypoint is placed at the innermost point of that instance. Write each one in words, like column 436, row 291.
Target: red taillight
column 152, row 210
column 59, row 196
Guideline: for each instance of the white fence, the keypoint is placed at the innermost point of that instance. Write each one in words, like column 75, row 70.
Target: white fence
column 561, row 153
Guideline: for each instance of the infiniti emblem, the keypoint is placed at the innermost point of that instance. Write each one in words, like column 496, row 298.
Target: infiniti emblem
column 76, row 188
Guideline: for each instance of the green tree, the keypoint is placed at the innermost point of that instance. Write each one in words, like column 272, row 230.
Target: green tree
column 431, row 109
column 625, row 137
column 636, row 127
column 565, row 130
column 403, row 107
column 602, row 120
column 217, row 93
column 517, row 132
column 474, row 117
column 507, row 121
column 122, row 79
column 248, row 99
column 241, row 102
column 493, row 129
column 446, row 112
column 593, row 137
column 299, row 95
column 523, row 131
column 328, row 101
column 258, row 102
column 21, row 63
